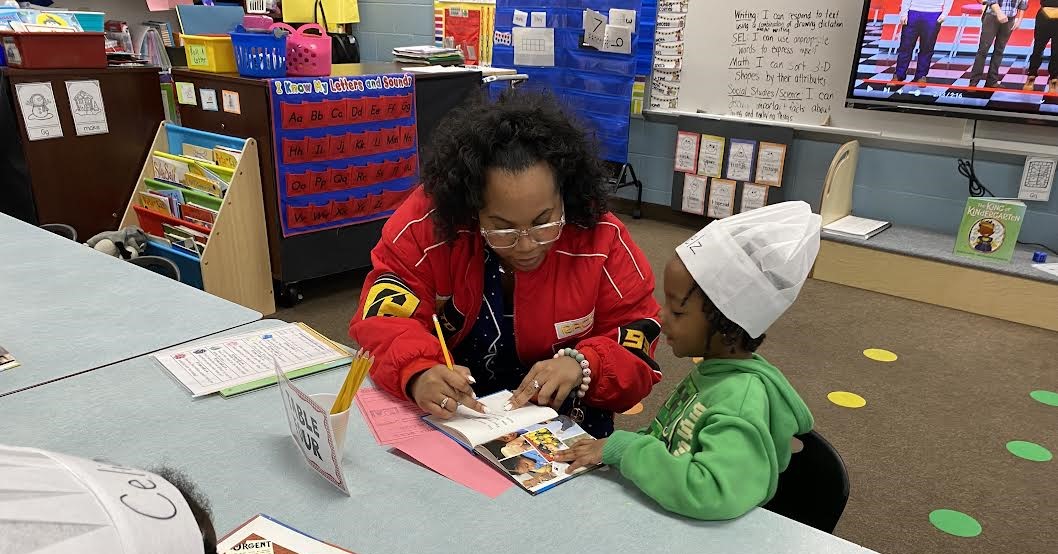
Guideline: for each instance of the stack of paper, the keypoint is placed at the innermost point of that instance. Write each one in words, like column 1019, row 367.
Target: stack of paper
column 427, row 55
column 851, row 226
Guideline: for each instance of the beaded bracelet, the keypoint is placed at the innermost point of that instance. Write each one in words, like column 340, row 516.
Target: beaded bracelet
column 584, row 366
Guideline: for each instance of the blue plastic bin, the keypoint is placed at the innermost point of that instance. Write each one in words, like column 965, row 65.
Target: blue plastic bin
column 260, row 54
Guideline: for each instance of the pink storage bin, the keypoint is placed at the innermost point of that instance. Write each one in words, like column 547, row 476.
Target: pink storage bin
column 250, row 21
column 308, row 55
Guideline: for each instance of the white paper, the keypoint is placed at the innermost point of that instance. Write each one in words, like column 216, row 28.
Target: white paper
column 521, row 19
column 594, row 24
column 534, row 46
column 1037, row 179
column 740, row 161
column 1051, row 268
column 477, row 428
column 626, row 18
column 753, row 197
column 274, row 532
column 39, row 111
column 721, row 198
column 209, row 99
column 310, row 427
column 86, row 106
column 694, row 193
column 617, row 39
column 210, row 366
column 852, row 225
column 686, row 151
column 538, row 19
column 185, row 93
column 230, row 100
column 502, row 37
column 770, row 160
column 710, row 156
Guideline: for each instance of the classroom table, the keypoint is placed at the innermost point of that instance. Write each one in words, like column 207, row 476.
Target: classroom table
column 240, row 454
column 66, row 309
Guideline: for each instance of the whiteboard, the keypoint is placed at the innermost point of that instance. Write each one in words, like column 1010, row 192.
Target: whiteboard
column 787, row 62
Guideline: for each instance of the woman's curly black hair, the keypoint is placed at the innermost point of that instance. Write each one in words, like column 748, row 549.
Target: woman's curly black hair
column 513, row 134
column 729, row 331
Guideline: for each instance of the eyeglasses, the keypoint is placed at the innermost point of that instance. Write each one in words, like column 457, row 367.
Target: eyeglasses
column 539, row 234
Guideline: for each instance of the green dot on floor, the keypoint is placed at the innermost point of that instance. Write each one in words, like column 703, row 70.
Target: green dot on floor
column 955, row 523
column 1047, row 397
column 1029, row 451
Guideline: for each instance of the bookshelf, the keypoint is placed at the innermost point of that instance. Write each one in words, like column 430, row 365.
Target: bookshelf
column 234, row 264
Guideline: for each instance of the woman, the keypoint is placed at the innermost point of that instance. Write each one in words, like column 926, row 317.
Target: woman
column 509, row 243
column 1046, row 30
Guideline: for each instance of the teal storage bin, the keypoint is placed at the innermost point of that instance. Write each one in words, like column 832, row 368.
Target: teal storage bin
column 91, row 21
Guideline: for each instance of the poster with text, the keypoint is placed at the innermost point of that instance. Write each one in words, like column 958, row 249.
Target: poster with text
column 346, row 148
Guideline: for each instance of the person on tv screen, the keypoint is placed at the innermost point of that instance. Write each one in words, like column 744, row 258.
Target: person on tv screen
column 921, row 21
column 1046, row 31
column 1000, row 19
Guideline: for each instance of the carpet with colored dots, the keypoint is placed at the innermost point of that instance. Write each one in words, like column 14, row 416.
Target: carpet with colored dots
column 938, row 421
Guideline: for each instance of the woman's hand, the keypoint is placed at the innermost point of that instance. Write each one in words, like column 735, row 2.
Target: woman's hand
column 550, row 381
column 440, row 390
column 584, row 453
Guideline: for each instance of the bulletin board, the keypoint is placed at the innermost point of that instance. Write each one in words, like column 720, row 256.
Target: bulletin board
column 467, row 26
column 346, row 149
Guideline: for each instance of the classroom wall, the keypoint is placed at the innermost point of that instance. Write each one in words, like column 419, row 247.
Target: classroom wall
column 385, row 24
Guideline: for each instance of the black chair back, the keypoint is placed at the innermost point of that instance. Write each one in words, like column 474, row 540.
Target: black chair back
column 61, row 229
column 158, row 264
column 815, row 487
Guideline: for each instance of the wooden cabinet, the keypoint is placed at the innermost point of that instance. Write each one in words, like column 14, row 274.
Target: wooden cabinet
column 83, row 181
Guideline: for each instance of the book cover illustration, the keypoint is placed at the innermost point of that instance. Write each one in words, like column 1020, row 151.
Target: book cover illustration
column 528, row 454
column 990, row 228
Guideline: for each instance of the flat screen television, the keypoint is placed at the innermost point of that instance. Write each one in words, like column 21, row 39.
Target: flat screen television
column 923, row 60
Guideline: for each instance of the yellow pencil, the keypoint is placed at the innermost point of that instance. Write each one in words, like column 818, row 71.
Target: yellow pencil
column 336, row 408
column 348, row 390
column 444, row 347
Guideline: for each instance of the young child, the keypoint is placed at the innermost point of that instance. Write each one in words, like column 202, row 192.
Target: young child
column 716, row 448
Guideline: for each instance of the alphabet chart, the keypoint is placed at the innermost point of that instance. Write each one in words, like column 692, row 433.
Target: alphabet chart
column 346, row 148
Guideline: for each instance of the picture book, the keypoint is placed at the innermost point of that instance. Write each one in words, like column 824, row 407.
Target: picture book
column 989, row 229
column 155, row 202
column 197, row 152
column 203, row 184
column 263, row 534
column 520, row 443
column 191, row 211
column 226, row 157
column 176, row 199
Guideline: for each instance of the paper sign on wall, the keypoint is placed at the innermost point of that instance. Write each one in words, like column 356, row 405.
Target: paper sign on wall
column 753, row 197
column 594, row 24
column 711, row 156
column 617, row 39
column 1038, row 179
column 86, row 106
column 209, row 99
column 625, row 18
column 310, row 426
column 521, row 19
column 694, row 194
column 185, row 93
column 740, row 158
column 39, row 111
column 501, row 37
column 770, row 160
column 686, row 151
column 538, row 19
column 230, row 100
column 534, row 46
column 721, row 198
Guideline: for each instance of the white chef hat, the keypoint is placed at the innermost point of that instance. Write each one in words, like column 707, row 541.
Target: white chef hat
column 752, row 265
column 52, row 503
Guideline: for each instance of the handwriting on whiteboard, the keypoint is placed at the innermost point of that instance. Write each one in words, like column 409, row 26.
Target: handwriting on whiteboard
column 778, row 69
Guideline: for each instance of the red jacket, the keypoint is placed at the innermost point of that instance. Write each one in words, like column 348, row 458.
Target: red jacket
column 593, row 292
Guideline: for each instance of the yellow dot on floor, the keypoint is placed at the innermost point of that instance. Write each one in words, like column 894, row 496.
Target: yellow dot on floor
column 847, row 399
column 634, row 409
column 879, row 355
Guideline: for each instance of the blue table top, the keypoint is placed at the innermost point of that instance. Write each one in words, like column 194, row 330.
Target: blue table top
column 67, row 308
column 239, row 452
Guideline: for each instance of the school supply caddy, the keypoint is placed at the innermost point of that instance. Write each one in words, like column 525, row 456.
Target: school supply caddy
column 521, row 443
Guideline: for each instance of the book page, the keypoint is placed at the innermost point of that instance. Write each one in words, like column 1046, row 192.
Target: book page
column 528, row 455
column 479, row 428
column 855, row 225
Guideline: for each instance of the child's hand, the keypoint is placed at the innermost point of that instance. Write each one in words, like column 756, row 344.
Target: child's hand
column 584, row 453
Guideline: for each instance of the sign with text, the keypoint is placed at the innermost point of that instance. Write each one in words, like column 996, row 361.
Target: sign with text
column 310, row 427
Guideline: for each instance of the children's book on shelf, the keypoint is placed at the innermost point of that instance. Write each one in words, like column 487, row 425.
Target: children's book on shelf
column 851, row 226
column 990, row 228
column 226, row 157
column 520, row 443
column 245, row 362
column 155, row 202
column 264, row 534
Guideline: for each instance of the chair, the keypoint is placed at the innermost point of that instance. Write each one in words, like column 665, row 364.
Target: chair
column 815, row 487
column 969, row 27
column 159, row 265
column 61, row 229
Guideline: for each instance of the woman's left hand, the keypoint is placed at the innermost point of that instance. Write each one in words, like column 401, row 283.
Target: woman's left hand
column 550, row 381
column 584, row 453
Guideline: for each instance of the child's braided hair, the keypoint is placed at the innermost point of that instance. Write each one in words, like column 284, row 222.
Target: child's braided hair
column 730, row 332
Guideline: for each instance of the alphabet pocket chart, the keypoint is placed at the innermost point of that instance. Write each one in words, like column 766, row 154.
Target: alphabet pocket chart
column 346, row 148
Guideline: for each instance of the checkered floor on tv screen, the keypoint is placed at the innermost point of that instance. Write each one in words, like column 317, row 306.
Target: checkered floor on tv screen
column 946, row 76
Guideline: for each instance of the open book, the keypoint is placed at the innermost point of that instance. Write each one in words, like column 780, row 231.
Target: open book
column 521, row 443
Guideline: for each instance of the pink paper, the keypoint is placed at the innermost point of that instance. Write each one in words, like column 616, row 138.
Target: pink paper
column 390, row 420
column 162, row 5
column 445, row 456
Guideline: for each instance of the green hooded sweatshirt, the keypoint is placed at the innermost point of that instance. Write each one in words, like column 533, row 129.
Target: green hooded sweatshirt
column 716, row 448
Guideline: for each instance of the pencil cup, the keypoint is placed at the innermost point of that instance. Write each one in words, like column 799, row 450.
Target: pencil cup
column 339, row 421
